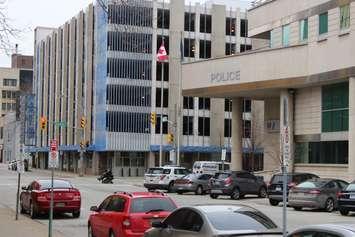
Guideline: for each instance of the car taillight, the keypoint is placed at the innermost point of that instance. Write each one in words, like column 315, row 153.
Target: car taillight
column 340, row 194
column 162, row 176
column 41, row 197
column 126, row 223
column 228, row 181
column 314, row 192
column 77, row 197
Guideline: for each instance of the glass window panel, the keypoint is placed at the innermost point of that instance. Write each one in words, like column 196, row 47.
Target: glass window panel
column 286, row 35
column 345, row 17
column 304, row 30
column 323, row 23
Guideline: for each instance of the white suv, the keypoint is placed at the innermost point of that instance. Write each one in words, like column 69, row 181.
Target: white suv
column 163, row 177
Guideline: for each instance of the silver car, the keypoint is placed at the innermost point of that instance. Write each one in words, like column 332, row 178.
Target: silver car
column 198, row 183
column 325, row 230
column 317, row 194
column 214, row 221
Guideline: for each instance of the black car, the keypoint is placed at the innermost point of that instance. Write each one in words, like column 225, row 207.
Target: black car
column 274, row 190
column 346, row 199
column 237, row 184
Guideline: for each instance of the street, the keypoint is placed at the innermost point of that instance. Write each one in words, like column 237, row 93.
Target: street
column 94, row 192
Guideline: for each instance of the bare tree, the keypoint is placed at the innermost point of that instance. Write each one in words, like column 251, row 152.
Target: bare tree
column 8, row 32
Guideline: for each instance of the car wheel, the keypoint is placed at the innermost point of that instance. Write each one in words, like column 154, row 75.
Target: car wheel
column 90, row 232
column 297, row 208
column 262, row 192
column 76, row 214
column 273, row 202
column 170, row 187
column 179, row 192
column 33, row 212
column 329, row 205
column 214, row 196
column 199, row 190
column 344, row 212
column 235, row 194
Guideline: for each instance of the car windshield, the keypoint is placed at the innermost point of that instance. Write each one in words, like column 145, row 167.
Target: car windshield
column 351, row 187
column 155, row 171
column 222, row 175
column 279, row 178
column 246, row 220
column 191, row 176
column 152, row 204
column 197, row 165
column 312, row 184
column 46, row 184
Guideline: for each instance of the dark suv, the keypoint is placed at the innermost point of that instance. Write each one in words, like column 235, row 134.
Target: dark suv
column 275, row 187
column 236, row 184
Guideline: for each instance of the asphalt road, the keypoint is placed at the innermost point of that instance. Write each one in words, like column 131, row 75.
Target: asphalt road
column 94, row 192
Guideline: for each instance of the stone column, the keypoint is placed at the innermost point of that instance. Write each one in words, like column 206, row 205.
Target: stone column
column 237, row 142
column 95, row 163
column 286, row 121
column 351, row 156
column 151, row 160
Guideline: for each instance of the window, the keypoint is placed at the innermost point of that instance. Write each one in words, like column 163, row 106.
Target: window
column 230, row 48
column 246, row 128
column 163, row 18
column 245, row 47
column 285, row 35
column 3, row 106
column 188, row 125
column 128, row 95
column 116, row 204
column 185, row 219
column 272, row 38
column 203, row 126
column 129, row 68
column 126, row 14
column 10, row 82
column 205, row 49
column 329, row 152
column 144, row 205
column 166, row 42
column 188, row 102
column 228, row 105
column 323, row 23
column 189, row 48
column 227, row 128
column 166, row 72
column 157, row 125
column 3, row 94
column 230, row 26
column 13, row 106
column 104, row 204
column 165, row 97
column 181, row 171
column 244, row 28
column 204, row 103
column 205, row 23
column 129, row 42
column 190, row 21
column 127, row 122
column 335, row 107
column 304, row 30
column 345, row 17
column 246, row 106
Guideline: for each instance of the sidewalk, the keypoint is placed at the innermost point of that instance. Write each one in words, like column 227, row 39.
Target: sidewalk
column 24, row 226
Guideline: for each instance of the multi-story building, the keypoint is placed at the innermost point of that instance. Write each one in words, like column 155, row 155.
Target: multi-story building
column 101, row 66
column 305, row 78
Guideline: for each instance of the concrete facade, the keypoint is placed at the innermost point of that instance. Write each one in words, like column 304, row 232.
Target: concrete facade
column 306, row 72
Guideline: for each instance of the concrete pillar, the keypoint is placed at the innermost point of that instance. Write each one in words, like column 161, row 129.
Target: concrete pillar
column 95, row 163
column 237, row 142
column 151, row 160
column 351, row 156
column 286, row 121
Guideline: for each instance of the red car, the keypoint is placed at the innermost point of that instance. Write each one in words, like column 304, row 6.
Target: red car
column 128, row 214
column 35, row 198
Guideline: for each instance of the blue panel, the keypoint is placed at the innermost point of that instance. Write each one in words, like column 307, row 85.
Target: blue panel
column 201, row 149
column 100, row 79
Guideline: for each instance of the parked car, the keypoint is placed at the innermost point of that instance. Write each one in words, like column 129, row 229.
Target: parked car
column 209, row 167
column 214, row 220
column 275, row 188
column 317, row 194
column 128, row 214
column 12, row 165
column 198, row 183
column 237, row 184
column 325, row 230
column 163, row 178
column 35, row 198
column 346, row 199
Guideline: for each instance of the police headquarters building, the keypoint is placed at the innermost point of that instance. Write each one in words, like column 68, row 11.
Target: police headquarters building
column 305, row 78
column 101, row 66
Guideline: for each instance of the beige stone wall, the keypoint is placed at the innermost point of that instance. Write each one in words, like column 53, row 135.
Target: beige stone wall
column 325, row 171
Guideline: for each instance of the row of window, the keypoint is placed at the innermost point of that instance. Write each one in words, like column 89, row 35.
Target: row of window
column 344, row 24
column 9, row 94
column 127, row 122
column 9, row 82
column 129, row 42
column 128, row 95
column 125, row 14
column 129, row 68
column 8, row 106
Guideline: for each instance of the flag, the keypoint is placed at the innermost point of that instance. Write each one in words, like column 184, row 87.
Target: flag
column 162, row 54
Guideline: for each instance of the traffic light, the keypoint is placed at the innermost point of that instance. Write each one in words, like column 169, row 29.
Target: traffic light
column 153, row 118
column 84, row 144
column 82, row 122
column 170, row 138
column 43, row 123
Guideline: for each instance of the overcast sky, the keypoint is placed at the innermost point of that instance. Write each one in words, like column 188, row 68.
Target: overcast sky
column 27, row 14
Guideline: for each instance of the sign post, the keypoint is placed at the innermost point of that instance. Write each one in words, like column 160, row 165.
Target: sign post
column 285, row 161
column 20, row 170
column 52, row 163
column 223, row 157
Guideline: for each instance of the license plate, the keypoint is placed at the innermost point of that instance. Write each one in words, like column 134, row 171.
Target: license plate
column 60, row 204
column 216, row 191
column 352, row 196
column 278, row 188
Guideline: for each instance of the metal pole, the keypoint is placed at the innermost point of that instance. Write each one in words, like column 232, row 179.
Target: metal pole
column 81, row 162
column 284, row 198
column 161, row 114
column 51, row 207
column 18, row 193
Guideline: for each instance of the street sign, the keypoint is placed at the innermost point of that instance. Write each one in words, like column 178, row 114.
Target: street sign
column 53, row 145
column 286, row 150
column 20, row 167
column 223, row 157
column 53, row 160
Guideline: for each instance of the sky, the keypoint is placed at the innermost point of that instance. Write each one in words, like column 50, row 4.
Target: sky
column 28, row 14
